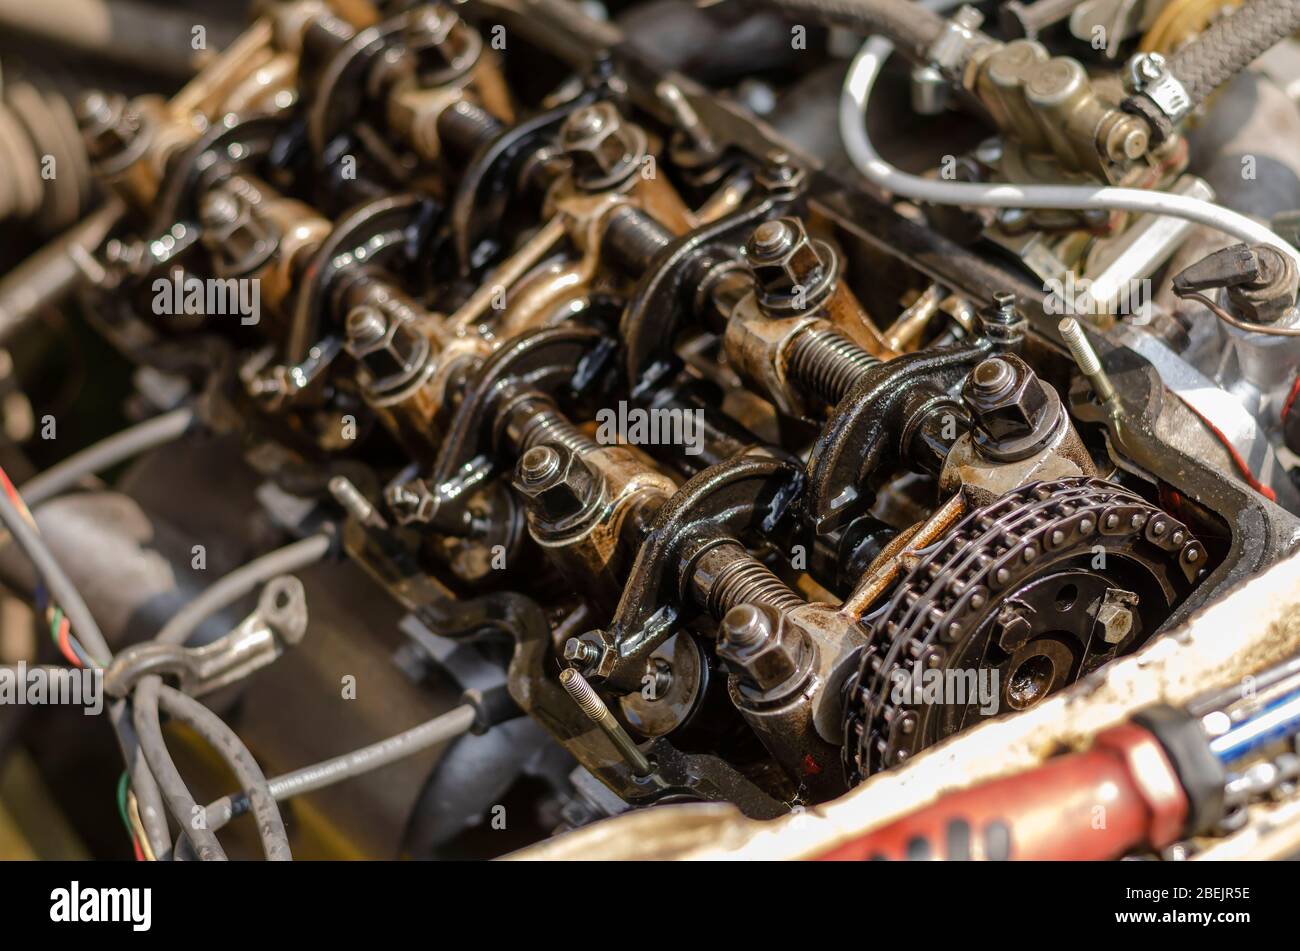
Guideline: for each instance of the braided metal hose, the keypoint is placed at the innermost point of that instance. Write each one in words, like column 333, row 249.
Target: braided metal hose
column 1232, row 44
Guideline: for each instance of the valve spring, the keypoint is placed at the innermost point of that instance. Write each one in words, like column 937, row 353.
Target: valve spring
column 827, row 362
column 746, row 580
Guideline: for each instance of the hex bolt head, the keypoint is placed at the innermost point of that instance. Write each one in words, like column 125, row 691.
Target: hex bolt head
column 556, row 484
column 389, row 350
column 793, row 272
column 761, row 647
column 1005, row 399
column 1115, row 615
column 603, row 148
column 1014, row 626
column 579, row 653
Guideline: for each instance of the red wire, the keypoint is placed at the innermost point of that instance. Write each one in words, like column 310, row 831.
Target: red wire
column 1290, row 399
column 139, row 852
column 1237, row 459
column 64, row 647
column 12, row 492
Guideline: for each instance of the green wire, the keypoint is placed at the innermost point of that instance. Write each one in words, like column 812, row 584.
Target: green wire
column 56, row 620
column 121, row 803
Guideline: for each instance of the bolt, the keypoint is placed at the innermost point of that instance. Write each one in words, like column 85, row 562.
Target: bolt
column 604, row 149
column 580, row 653
column 107, row 123
column 761, row 646
column 1150, row 66
column 556, row 484
column 794, row 273
column 770, row 240
column 1014, row 626
column 746, row 625
column 1008, row 406
column 390, row 350
column 586, row 121
column 992, row 376
column 968, row 18
column 1001, row 323
column 366, row 326
column 1116, row 621
column 538, row 465
column 1115, row 615
column 662, row 672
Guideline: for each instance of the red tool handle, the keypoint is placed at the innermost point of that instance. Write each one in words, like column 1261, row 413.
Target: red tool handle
column 1118, row 796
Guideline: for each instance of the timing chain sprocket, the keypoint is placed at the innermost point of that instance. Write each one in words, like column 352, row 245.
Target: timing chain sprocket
column 1042, row 586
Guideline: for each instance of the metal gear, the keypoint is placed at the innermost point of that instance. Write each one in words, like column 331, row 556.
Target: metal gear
column 1044, row 585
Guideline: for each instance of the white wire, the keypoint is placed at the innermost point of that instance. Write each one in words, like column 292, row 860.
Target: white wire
column 853, row 130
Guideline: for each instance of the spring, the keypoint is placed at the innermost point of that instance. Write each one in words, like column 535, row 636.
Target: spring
column 827, row 362
column 550, row 427
column 743, row 579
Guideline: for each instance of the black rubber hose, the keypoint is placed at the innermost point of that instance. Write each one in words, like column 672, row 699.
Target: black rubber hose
column 1232, row 44
column 912, row 27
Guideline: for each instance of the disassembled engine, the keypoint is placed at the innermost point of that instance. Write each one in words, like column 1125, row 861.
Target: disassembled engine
column 660, row 404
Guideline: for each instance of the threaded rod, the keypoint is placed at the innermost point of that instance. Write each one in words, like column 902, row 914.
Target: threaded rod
column 828, row 363
column 728, row 575
column 590, row 703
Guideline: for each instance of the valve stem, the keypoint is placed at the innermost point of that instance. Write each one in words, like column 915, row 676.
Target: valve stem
column 591, row 704
column 1089, row 363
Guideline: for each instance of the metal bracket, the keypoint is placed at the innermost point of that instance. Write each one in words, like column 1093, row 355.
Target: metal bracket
column 279, row 621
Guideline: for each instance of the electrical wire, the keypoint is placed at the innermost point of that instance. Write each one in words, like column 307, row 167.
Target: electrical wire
column 292, row 557
column 1238, row 459
column 170, row 789
column 152, row 780
column 854, row 98
column 63, row 592
column 209, row 726
column 1236, row 322
column 106, row 453
column 175, row 793
column 55, row 618
column 441, row 728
